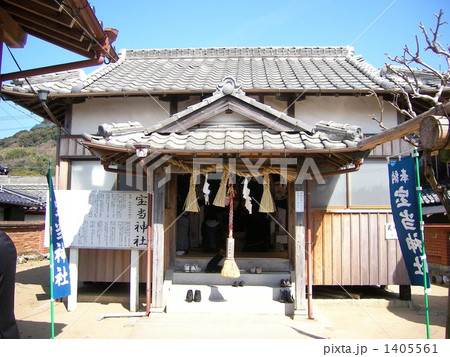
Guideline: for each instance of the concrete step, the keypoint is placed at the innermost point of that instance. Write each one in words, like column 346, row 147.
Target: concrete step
column 229, row 300
column 272, row 278
column 266, row 264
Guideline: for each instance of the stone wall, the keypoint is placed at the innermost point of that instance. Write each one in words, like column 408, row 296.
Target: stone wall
column 28, row 237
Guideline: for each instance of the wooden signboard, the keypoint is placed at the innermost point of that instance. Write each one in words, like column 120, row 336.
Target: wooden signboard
column 103, row 219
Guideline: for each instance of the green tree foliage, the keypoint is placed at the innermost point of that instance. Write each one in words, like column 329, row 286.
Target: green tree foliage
column 28, row 153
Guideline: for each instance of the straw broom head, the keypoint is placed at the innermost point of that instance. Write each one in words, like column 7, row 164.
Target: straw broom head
column 230, row 268
column 221, row 194
column 267, row 204
column 191, row 204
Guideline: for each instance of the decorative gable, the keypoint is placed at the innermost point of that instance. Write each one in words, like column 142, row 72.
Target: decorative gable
column 229, row 107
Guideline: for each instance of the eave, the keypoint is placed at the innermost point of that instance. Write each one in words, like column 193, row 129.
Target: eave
column 52, row 21
column 326, row 160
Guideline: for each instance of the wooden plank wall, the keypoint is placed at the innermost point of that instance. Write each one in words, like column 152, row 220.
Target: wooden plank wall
column 70, row 147
column 107, row 265
column 390, row 148
column 351, row 249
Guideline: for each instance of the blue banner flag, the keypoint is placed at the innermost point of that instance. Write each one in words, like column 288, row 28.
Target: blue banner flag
column 60, row 272
column 407, row 217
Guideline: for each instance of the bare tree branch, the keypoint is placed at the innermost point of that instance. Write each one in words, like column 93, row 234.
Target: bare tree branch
column 380, row 103
column 433, row 43
column 411, row 75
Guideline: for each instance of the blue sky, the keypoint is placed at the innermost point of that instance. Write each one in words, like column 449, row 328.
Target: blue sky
column 372, row 27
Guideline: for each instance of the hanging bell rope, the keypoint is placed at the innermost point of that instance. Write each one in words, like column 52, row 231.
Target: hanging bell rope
column 267, row 204
column 230, row 268
column 221, row 194
column 191, row 204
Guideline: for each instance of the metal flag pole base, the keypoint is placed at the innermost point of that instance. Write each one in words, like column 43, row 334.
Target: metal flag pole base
column 129, row 314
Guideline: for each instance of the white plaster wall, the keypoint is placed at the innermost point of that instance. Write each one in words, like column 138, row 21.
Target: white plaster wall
column 276, row 104
column 87, row 116
column 149, row 110
column 345, row 109
column 186, row 103
column 227, row 120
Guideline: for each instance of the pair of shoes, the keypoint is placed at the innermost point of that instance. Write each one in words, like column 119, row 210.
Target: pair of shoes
column 190, row 296
column 194, row 268
column 255, row 270
column 285, row 283
column 286, row 296
column 236, row 284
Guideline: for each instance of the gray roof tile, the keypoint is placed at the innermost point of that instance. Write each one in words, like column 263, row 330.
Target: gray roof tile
column 9, row 196
column 229, row 139
column 200, row 69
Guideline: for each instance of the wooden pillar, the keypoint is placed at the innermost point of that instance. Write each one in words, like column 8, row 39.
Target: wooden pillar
column 299, row 248
column 73, row 268
column 62, row 174
column 134, row 280
column 405, row 292
column 158, row 244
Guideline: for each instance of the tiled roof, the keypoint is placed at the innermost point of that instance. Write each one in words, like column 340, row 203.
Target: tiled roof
column 430, row 198
column 17, row 198
column 200, row 69
column 423, row 79
column 232, row 140
column 60, row 82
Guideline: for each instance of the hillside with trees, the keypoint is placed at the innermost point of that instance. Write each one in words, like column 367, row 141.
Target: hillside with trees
column 28, row 152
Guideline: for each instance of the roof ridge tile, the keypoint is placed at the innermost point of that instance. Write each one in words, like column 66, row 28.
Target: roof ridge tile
column 233, row 52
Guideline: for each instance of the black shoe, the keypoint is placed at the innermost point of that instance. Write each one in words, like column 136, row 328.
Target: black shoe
column 241, row 284
column 289, row 298
column 282, row 296
column 189, row 296
column 235, row 284
column 287, row 283
column 197, row 296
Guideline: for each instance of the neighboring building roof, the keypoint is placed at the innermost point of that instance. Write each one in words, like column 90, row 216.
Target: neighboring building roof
column 422, row 79
column 431, row 202
column 17, row 198
column 35, row 186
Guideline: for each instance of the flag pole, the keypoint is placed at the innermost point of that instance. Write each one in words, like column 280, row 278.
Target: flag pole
column 50, row 224
column 422, row 237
